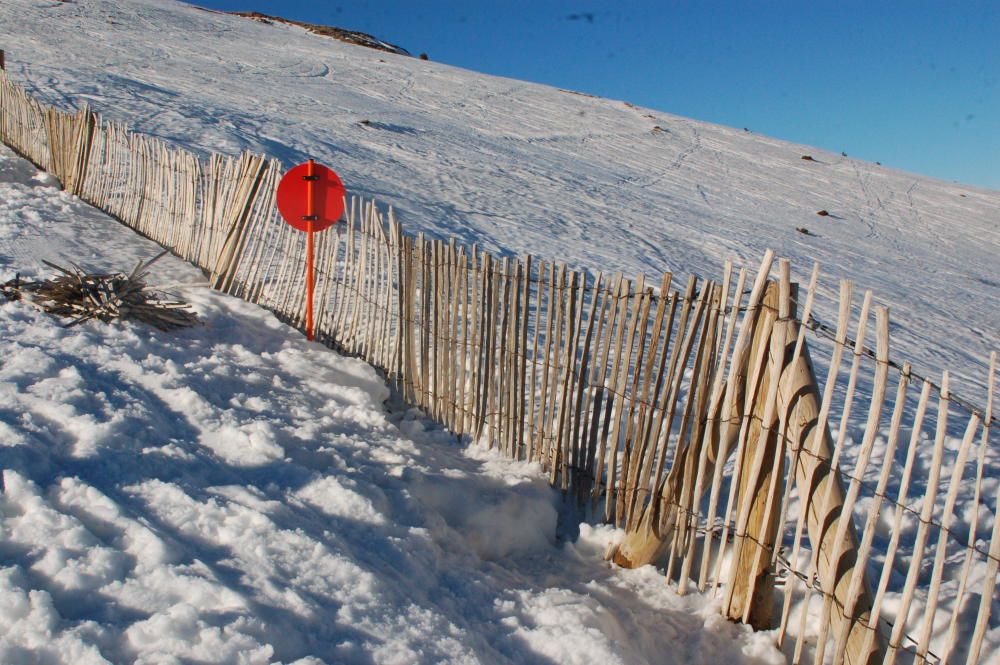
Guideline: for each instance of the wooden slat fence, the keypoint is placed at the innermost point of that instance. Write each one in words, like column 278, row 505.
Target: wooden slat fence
column 687, row 412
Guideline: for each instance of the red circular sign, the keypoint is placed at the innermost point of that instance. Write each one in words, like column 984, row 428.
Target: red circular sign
column 327, row 193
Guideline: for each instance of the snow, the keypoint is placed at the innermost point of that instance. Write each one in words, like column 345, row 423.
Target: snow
column 233, row 494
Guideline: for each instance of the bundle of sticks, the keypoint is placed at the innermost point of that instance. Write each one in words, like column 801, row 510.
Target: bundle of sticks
column 80, row 296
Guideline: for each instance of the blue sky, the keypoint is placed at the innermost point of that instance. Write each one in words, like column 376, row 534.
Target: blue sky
column 914, row 85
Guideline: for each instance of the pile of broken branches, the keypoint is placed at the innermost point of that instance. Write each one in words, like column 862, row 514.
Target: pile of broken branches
column 81, row 297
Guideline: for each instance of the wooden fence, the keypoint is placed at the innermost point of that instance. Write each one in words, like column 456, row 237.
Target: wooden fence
column 688, row 413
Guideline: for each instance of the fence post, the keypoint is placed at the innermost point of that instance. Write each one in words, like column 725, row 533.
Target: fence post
column 86, row 123
column 799, row 402
column 3, row 64
column 227, row 261
column 751, row 595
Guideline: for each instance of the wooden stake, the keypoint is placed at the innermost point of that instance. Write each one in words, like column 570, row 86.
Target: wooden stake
column 718, row 447
column 855, row 590
column 943, row 532
column 926, row 512
column 970, row 547
column 524, row 402
column 626, row 410
column 619, row 375
column 698, row 458
column 849, row 600
column 560, row 460
column 619, row 313
column 755, row 527
column 630, row 457
column 499, row 388
column 641, row 470
column 986, row 596
column 804, row 415
column 582, row 480
column 888, row 569
column 532, row 417
column 598, row 378
column 554, row 324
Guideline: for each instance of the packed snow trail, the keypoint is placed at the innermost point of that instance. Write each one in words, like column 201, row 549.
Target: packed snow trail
column 231, row 493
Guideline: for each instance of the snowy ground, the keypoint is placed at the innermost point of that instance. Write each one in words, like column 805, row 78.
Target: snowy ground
column 234, row 494
column 523, row 168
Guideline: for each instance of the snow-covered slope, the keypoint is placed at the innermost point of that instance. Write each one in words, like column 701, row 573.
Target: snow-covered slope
column 523, row 168
column 234, row 494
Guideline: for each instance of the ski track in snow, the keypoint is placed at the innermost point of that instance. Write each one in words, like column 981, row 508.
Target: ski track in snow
column 231, row 493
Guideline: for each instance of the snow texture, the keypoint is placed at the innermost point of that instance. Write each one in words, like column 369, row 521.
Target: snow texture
column 234, row 494
column 231, row 493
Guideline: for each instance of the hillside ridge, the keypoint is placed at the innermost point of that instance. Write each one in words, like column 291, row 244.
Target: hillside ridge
column 347, row 36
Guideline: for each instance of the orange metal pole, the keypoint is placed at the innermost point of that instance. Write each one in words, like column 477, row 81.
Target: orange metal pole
column 310, row 217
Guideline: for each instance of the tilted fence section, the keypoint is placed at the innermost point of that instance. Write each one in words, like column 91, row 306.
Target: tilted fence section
column 811, row 484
